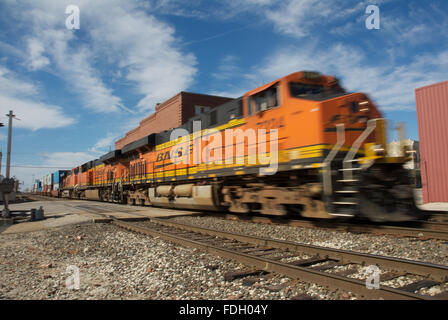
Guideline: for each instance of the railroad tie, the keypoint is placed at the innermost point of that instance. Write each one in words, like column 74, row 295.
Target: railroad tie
column 308, row 262
column 324, row 267
column 347, row 272
column 232, row 275
column 250, row 250
column 391, row 275
column 302, row 297
column 418, row 285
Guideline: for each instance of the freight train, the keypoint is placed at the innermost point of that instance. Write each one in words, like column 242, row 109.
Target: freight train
column 51, row 184
column 327, row 150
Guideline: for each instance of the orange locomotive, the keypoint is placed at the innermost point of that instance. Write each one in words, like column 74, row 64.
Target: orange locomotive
column 299, row 145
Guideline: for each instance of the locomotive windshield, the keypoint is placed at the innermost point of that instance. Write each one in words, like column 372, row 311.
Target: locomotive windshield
column 314, row 91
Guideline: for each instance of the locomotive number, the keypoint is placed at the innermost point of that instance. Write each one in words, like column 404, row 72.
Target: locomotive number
column 273, row 123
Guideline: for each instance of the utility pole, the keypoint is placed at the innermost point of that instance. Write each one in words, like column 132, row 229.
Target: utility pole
column 8, row 186
column 8, row 160
column 1, row 154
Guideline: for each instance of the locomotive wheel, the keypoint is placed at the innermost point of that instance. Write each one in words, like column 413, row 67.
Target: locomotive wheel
column 381, row 206
column 387, row 195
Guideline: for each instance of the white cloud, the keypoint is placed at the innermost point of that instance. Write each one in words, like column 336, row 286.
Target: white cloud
column 297, row 17
column 189, row 9
column 51, row 163
column 78, row 72
column 23, row 98
column 11, row 85
column 117, row 37
column 391, row 85
column 72, row 61
column 34, row 115
column 66, row 159
column 36, row 59
column 11, row 50
column 104, row 144
column 147, row 53
column 227, row 68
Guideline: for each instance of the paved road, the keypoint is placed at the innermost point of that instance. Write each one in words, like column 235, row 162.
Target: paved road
column 64, row 212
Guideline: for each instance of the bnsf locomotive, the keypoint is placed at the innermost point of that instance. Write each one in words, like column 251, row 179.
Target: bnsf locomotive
column 329, row 158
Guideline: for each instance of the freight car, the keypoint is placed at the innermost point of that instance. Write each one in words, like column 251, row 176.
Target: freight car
column 48, row 184
column 58, row 178
column 326, row 147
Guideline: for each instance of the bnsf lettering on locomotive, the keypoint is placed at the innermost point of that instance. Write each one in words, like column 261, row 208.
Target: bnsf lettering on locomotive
column 176, row 153
column 163, row 156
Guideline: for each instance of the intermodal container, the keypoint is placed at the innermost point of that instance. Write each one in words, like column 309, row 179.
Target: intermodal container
column 48, row 183
column 58, row 178
column 432, row 114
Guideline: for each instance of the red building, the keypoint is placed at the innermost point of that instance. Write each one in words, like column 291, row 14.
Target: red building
column 171, row 114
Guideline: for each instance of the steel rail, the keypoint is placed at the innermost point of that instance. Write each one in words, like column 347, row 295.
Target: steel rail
column 431, row 230
column 426, row 229
column 295, row 272
column 433, row 271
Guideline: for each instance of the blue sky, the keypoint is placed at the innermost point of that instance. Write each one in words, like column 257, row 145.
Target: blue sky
column 77, row 91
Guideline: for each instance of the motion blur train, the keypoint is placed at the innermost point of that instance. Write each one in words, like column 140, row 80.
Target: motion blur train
column 327, row 150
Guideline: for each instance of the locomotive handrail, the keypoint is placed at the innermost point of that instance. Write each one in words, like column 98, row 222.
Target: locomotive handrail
column 340, row 131
column 347, row 164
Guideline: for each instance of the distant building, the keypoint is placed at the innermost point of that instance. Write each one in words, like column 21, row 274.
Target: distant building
column 172, row 114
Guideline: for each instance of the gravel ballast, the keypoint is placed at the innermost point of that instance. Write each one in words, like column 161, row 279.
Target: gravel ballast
column 432, row 251
column 118, row 264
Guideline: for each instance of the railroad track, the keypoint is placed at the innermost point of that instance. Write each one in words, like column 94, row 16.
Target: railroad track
column 37, row 197
column 298, row 261
column 422, row 230
column 439, row 217
column 313, row 264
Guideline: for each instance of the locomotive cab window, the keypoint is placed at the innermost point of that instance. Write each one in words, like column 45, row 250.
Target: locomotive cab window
column 264, row 100
column 315, row 92
column 213, row 118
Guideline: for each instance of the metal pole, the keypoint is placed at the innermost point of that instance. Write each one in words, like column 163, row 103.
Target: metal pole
column 5, row 213
column 1, row 158
column 8, row 161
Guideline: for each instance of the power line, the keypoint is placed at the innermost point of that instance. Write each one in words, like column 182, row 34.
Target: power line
column 38, row 167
